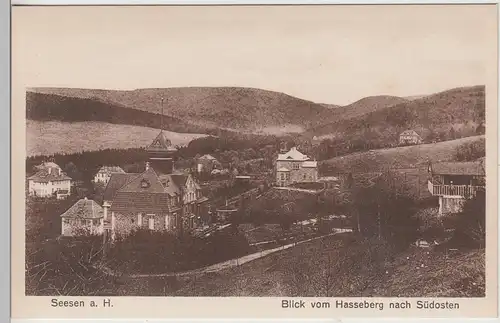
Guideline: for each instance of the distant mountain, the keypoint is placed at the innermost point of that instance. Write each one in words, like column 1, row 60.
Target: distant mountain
column 216, row 110
column 456, row 108
column 363, row 106
column 212, row 107
column 53, row 107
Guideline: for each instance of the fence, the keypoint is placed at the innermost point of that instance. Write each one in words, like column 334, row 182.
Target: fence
column 453, row 190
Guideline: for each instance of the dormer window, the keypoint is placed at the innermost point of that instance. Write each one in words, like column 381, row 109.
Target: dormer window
column 145, row 183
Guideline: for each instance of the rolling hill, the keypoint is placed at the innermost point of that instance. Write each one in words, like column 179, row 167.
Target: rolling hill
column 227, row 107
column 407, row 165
column 399, row 157
column 458, row 108
column 50, row 137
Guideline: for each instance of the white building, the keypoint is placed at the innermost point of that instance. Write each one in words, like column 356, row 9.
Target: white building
column 295, row 167
column 84, row 217
column 49, row 181
column 104, row 173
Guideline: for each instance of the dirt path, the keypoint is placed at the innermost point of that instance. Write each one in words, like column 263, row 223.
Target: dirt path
column 229, row 263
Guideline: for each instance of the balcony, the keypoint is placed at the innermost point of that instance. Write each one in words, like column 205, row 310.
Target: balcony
column 453, row 190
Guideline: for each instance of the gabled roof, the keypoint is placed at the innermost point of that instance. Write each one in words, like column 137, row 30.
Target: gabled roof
column 293, row 155
column 148, row 181
column 47, row 165
column 84, row 209
column 458, row 168
column 48, row 175
column 111, row 169
column 134, row 202
column 117, row 181
column 175, row 183
column 208, row 157
column 409, row 133
column 161, row 144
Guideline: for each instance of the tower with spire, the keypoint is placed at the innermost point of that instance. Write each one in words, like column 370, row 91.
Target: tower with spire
column 161, row 152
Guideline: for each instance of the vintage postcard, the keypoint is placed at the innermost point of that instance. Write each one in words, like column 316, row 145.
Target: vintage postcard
column 327, row 161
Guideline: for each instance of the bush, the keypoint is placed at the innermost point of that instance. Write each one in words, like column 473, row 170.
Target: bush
column 470, row 226
column 159, row 252
column 67, row 267
column 383, row 211
column 471, row 150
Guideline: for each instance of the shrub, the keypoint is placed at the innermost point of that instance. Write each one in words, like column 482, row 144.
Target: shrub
column 470, row 226
column 470, row 151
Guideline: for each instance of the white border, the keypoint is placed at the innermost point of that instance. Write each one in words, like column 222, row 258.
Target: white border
column 5, row 143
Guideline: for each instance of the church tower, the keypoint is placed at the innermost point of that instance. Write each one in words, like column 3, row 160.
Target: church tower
column 161, row 152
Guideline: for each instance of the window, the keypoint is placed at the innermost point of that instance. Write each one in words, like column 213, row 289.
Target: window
column 145, row 183
column 295, row 166
column 132, row 220
column 282, row 176
column 66, row 221
column 139, row 219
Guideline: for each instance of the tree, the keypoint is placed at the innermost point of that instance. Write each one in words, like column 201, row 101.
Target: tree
column 386, row 213
column 470, row 227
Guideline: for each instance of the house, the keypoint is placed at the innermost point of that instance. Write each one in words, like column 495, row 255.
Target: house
column 158, row 199
column 207, row 163
column 410, row 137
column 295, row 167
column 453, row 182
column 104, row 173
column 165, row 202
column 49, row 181
column 84, row 217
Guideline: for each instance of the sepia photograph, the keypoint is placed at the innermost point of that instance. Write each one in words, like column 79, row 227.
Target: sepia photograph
column 256, row 151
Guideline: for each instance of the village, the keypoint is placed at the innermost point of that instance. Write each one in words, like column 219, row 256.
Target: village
column 251, row 216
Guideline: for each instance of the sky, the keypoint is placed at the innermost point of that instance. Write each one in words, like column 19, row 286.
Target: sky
column 326, row 54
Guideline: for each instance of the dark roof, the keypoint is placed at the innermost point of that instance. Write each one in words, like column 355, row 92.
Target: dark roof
column 179, row 179
column 111, row 169
column 85, row 209
column 116, row 181
column 458, row 168
column 409, row 133
column 148, row 181
column 135, row 202
column 49, row 174
column 161, row 144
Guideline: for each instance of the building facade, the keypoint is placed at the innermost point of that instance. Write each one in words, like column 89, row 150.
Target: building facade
column 159, row 199
column 49, row 181
column 454, row 182
column 409, row 137
column 104, row 173
column 295, row 167
column 83, row 218
column 207, row 163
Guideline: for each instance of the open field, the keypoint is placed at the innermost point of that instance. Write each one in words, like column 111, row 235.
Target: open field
column 407, row 165
column 49, row 137
column 307, row 270
column 399, row 157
